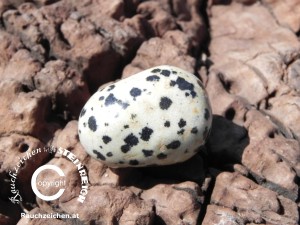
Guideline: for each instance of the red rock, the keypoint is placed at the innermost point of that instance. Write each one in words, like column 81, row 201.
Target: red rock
column 221, row 215
column 191, row 22
column 9, row 45
column 22, row 58
column 63, row 84
column 248, row 83
column 293, row 77
column 156, row 52
column 13, row 149
column 175, row 204
column 159, row 14
column 252, row 202
column 286, row 12
column 24, row 111
column 286, row 104
column 259, row 62
column 277, row 156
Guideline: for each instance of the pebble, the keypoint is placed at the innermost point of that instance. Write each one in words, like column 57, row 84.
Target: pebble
column 159, row 116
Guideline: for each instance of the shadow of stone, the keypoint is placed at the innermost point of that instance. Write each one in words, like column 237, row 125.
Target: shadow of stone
column 147, row 177
column 226, row 143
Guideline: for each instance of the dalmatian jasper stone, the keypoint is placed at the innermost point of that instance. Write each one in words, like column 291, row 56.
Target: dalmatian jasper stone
column 159, row 116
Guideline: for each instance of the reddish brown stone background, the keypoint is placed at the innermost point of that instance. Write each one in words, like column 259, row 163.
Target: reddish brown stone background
column 55, row 53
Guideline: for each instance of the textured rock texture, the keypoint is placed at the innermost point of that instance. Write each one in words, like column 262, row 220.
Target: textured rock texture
column 55, row 53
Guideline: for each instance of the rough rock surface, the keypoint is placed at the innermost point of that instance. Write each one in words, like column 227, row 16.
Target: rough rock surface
column 55, row 53
column 249, row 202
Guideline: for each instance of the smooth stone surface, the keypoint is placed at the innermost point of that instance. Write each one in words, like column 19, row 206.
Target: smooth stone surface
column 159, row 116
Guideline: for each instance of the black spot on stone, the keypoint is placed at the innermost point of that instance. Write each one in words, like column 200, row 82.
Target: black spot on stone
column 124, row 105
column 153, row 78
column 121, row 162
column 206, row 114
column 161, row 156
column 101, row 98
column 106, row 124
column 133, row 116
column 205, row 133
column 111, row 87
column 131, row 140
column 133, row 162
column 99, row 155
column 111, row 99
column 180, row 132
column 155, row 71
column 135, row 92
column 92, row 123
column 92, row 108
column 106, row 139
column 167, row 124
column 125, row 148
column 100, row 146
column 187, row 94
column 193, row 93
column 84, row 124
column 126, row 126
column 184, row 85
column 174, row 72
column 165, row 103
column 83, row 111
column 147, row 153
column 173, row 145
column 165, row 73
column 146, row 133
column 79, row 131
column 181, row 123
column 109, row 154
column 194, row 130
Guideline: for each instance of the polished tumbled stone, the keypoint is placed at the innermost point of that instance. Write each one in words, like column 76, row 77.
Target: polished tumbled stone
column 159, row 116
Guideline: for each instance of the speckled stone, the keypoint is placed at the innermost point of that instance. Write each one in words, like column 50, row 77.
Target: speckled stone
column 159, row 116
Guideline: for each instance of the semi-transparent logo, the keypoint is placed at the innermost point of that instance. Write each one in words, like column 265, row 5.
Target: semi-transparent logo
column 47, row 182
